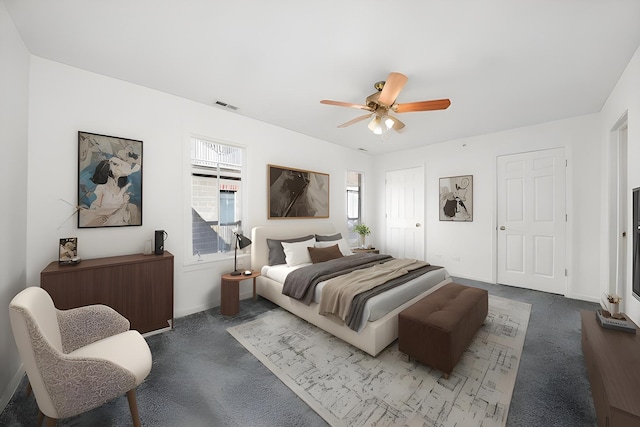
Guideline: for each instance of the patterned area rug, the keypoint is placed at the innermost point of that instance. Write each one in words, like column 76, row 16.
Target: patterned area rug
column 348, row 387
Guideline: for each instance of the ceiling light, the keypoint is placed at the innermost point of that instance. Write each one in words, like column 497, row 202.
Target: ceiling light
column 381, row 124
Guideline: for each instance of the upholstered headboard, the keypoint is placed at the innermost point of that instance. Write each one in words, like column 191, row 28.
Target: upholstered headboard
column 259, row 236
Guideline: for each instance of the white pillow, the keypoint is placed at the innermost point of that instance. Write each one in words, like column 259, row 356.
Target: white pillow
column 296, row 253
column 342, row 244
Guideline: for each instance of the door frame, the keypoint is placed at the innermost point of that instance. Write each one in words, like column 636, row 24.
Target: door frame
column 568, row 288
column 618, row 213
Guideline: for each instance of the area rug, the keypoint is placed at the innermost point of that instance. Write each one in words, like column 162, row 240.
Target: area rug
column 348, row 387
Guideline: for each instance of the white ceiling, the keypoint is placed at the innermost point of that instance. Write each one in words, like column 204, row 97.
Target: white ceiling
column 503, row 63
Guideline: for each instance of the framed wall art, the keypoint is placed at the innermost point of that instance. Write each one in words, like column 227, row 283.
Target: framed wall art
column 456, row 198
column 109, row 181
column 297, row 193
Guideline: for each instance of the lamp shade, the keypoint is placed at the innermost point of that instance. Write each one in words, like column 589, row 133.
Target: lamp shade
column 241, row 242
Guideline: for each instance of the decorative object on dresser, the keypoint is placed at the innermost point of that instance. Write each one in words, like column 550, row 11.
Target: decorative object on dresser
column 160, row 237
column 348, row 387
column 109, row 181
column 68, row 251
column 241, row 242
column 456, row 198
column 612, row 358
column 619, row 322
column 138, row 287
column 297, row 193
column 77, row 359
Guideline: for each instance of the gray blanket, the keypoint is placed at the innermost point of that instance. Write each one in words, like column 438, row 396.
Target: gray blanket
column 300, row 284
column 354, row 319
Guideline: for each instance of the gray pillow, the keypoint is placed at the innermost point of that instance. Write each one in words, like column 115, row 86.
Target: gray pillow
column 325, row 238
column 276, row 251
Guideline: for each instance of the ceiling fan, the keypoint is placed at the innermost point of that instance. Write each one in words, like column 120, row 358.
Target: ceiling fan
column 381, row 103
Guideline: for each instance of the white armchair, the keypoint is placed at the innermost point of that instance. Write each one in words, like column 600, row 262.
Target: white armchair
column 77, row 359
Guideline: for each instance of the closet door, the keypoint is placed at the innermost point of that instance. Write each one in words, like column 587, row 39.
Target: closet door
column 532, row 220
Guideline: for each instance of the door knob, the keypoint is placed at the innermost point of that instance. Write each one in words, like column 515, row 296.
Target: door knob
column 418, row 224
column 502, row 227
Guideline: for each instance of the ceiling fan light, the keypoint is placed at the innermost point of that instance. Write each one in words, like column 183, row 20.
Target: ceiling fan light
column 388, row 123
column 374, row 124
column 377, row 130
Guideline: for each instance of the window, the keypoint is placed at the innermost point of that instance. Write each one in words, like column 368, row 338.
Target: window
column 216, row 196
column 354, row 205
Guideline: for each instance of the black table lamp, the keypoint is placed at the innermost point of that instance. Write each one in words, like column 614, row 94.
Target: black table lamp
column 242, row 242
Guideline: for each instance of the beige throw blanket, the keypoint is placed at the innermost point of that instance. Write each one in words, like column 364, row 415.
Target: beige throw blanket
column 338, row 293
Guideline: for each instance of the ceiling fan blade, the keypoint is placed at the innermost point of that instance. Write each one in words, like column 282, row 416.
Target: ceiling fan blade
column 356, row 120
column 345, row 104
column 436, row 104
column 392, row 87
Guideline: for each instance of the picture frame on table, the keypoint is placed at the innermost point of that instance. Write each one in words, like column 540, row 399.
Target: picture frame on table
column 68, row 251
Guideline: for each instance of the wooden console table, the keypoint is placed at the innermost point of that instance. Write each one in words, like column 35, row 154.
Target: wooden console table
column 613, row 363
column 140, row 287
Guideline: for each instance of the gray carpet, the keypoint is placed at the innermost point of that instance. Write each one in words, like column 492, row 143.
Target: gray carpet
column 201, row 376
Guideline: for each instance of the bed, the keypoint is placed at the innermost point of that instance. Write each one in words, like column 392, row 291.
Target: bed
column 376, row 334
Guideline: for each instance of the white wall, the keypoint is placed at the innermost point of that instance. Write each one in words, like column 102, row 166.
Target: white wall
column 65, row 100
column 14, row 94
column 474, row 243
column 625, row 98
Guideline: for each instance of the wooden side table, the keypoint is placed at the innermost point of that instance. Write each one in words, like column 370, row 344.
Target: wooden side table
column 230, row 292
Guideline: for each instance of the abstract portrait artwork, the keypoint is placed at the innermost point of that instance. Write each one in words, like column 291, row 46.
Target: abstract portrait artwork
column 296, row 193
column 109, row 181
column 456, row 198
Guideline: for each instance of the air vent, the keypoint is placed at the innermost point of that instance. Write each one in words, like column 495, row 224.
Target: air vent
column 225, row 105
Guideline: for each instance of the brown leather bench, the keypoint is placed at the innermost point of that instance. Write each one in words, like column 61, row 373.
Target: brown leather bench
column 437, row 329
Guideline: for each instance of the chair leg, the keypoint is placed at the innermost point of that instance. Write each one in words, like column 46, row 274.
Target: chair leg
column 40, row 418
column 51, row 422
column 133, row 407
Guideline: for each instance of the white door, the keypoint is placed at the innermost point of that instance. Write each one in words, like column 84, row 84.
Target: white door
column 532, row 220
column 405, row 213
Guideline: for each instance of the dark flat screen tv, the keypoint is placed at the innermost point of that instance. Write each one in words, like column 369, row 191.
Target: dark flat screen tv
column 636, row 242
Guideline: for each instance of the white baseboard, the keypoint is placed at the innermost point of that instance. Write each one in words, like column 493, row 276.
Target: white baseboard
column 12, row 387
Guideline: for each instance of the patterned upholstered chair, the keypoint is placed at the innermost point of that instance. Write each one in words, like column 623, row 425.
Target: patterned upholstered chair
column 77, row 359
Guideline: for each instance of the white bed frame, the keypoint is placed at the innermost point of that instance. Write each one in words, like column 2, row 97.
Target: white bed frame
column 374, row 338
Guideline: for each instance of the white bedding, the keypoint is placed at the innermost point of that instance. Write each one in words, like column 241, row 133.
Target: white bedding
column 377, row 306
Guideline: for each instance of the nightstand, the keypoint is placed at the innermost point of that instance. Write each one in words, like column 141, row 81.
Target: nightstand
column 230, row 292
column 368, row 251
